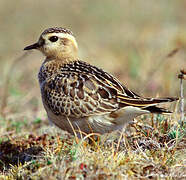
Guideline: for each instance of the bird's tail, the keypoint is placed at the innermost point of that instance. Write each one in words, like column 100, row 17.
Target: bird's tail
column 149, row 104
column 159, row 110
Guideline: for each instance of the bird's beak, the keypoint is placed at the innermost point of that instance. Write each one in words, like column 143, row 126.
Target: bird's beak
column 33, row 46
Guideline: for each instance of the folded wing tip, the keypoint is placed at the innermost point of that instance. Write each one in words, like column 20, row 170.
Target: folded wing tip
column 173, row 99
column 159, row 110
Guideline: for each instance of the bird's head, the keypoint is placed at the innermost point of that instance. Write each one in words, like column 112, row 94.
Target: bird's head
column 56, row 43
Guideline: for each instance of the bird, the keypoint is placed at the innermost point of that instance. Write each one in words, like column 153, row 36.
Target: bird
column 82, row 98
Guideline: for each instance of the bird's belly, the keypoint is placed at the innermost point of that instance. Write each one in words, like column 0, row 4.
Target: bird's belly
column 84, row 125
column 93, row 124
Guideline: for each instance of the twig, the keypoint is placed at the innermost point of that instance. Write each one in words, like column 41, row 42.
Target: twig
column 181, row 77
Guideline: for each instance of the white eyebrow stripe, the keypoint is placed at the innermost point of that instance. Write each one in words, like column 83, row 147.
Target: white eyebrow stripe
column 64, row 35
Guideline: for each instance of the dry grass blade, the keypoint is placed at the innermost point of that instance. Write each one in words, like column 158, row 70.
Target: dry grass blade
column 172, row 53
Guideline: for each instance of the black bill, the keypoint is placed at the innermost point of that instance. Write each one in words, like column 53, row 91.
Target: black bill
column 33, row 46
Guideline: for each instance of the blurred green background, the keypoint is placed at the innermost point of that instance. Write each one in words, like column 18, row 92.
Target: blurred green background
column 128, row 38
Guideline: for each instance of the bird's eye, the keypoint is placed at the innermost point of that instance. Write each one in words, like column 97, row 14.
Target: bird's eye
column 53, row 38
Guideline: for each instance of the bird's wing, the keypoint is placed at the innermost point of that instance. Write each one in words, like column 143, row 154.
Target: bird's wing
column 80, row 89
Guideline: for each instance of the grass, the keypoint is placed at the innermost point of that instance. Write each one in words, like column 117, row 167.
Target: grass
column 146, row 150
column 144, row 46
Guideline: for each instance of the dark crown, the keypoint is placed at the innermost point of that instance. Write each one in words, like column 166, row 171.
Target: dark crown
column 57, row 30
